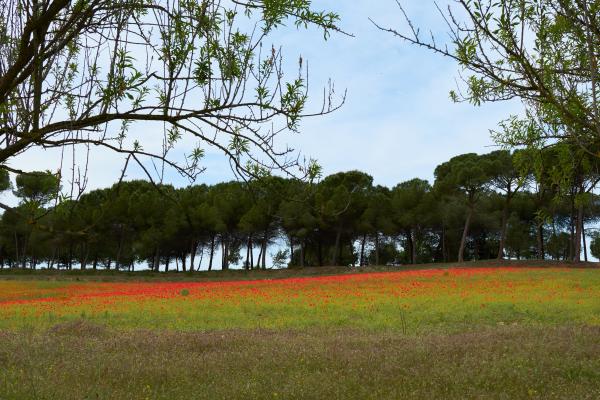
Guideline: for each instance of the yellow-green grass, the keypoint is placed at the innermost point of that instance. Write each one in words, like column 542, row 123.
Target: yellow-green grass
column 411, row 302
column 477, row 333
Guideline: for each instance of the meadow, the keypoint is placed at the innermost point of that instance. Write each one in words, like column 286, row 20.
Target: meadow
column 504, row 332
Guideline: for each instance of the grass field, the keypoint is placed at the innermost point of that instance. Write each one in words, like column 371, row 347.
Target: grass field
column 499, row 333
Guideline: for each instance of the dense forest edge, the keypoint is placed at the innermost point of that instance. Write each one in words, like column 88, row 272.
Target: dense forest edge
column 500, row 205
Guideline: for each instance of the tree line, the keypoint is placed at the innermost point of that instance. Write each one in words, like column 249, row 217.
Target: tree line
column 527, row 204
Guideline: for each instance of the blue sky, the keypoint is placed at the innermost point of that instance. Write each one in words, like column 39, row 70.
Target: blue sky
column 398, row 121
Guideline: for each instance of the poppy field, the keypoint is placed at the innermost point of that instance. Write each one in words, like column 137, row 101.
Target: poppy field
column 498, row 333
column 408, row 301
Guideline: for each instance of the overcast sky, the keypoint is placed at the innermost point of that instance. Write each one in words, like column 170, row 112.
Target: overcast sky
column 397, row 123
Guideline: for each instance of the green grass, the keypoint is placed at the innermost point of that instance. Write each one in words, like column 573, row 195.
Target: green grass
column 85, row 361
column 526, row 334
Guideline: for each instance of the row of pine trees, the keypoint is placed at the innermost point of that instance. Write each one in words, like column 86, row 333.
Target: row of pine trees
column 534, row 204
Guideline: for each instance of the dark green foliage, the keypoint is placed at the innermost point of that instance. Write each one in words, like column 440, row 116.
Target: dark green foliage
column 4, row 180
column 479, row 208
column 37, row 187
column 595, row 246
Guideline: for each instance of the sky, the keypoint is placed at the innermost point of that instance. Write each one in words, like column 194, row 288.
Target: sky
column 397, row 123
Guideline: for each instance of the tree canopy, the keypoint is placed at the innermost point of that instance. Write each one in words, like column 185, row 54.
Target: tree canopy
column 477, row 208
column 114, row 74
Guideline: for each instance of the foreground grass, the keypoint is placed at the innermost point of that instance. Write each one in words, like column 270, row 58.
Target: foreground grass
column 80, row 360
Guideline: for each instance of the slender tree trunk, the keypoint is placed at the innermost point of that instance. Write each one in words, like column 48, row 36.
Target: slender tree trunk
column 414, row 246
column 503, row 230
column 16, row 249
column 336, row 249
column 51, row 263
column 251, row 254
column 85, row 258
column 411, row 246
column 24, row 251
column 119, row 250
column 212, row 252
column 585, row 252
column 193, row 251
column 264, row 254
column 291, row 249
column 362, row 249
column 320, row 251
column 225, row 250
column 376, row 248
column 259, row 257
column 444, row 250
column 223, row 255
column 156, row 265
column 540, row 241
column 247, row 262
column 572, row 228
column 303, row 253
column 463, row 240
column 201, row 252
column 168, row 261
column 577, row 241
column 184, row 262
column 70, row 262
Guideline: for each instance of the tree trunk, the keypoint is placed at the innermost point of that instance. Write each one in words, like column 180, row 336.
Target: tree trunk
column 291, row 249
column 411, row 246
column 572, row 228
column 585, row 252
column 414, row 247
column 51, row 262
column 193, row 251
column 85, row 258
column 212, row 252
column 16, row 249
column 303, row 253
column 70, row 262
column 259, row 257
column 362, row 250
column 463, row 240
column 320, row 251
column 540, row 241
column 577, row 241
column 376, row 248
column 119, row 250
column 503, row 230
column 444, row 250
column 264, row 254
column 336, row 247
column 251, row 254
column 247, row 262
column 201, row 251
column 156, row 260
column 224, row 255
